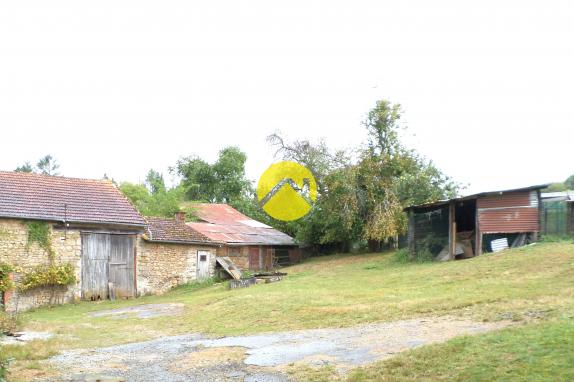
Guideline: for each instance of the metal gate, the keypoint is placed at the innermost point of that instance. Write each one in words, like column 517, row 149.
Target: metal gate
column 107, row 266
column 203, row 261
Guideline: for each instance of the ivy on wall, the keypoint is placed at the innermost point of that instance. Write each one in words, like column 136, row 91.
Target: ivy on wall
column 51, row 275
column 40, row 232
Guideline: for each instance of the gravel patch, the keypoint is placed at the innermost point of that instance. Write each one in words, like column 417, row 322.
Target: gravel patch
column 265, row 355
column 20, row 338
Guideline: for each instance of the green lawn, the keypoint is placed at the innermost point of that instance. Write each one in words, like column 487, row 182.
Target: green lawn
column 534, row 352
column 533, row 284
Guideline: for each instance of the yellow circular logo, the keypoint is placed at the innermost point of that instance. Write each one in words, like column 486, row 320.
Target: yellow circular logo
column 286, row 191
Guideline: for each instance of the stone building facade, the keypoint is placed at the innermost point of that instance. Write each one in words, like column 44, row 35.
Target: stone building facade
column 71, row 209
column 14, row 250
column 170, row 253
column 162, row 266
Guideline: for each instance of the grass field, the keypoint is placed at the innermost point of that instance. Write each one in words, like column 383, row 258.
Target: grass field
column 533, row 286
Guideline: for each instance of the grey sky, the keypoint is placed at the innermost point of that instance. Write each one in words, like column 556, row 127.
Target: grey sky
column 119, row 87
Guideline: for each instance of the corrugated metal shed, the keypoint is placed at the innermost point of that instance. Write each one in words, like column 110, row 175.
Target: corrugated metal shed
column 509, row 220
column 511, row 212
column 223, row 223
column 495, row 212
column 440, row 203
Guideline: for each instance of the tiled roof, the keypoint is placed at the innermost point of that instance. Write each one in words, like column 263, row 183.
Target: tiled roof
column 172, row 231
column 223, row 223
column 55, row 198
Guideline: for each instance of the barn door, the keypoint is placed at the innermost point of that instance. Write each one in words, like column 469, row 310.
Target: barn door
column 203, row 261
column 254, row 258
column 95, row 256
column 121, row 276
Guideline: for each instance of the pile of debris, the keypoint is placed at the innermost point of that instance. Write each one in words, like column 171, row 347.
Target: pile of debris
column 237, row 279
column 463, row 247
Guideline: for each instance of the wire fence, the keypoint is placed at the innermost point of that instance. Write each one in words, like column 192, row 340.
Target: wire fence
column 557, row 218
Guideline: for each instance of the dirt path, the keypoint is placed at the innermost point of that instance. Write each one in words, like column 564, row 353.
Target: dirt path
column 262, row 357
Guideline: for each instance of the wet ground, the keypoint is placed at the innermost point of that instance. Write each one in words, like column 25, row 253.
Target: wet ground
column 142, row 311
column 261, row 357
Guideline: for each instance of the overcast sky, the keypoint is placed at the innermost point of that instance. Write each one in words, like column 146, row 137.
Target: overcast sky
column 119, row 87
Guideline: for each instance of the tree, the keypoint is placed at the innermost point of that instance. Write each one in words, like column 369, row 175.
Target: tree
column 316, row 157
column 221, row 182
column 162, row 204
column 155, row 182
column 362, row 199
column 26, row 167
column 48, row 166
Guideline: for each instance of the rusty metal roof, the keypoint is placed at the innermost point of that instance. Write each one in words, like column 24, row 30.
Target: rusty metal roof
column 173, row 231
column 444, row 202
column 223, row 223
column 56, row 198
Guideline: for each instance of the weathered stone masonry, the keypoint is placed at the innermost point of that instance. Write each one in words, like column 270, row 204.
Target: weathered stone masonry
column 67, row 246
column 162, row 266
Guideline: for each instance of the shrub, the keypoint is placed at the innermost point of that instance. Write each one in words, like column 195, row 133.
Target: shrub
column 8, row 323
column 5, row 282
column 402, row 256
column 422, row 255
column 52, row 275
column 3, row 368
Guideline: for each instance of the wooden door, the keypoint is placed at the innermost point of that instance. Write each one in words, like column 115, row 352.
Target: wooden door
column 121, row 266
column 203, row 261
column 254, row 258
column 95, row 256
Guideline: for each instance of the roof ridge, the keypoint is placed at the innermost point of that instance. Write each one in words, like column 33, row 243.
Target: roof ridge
column 32, row 174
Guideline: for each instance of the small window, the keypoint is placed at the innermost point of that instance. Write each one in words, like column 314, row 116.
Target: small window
column 202, row 257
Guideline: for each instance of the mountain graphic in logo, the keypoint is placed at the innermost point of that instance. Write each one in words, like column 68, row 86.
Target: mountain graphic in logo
column 286, row 191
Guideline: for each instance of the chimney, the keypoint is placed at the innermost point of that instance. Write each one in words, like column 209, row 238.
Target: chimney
column 180, row 217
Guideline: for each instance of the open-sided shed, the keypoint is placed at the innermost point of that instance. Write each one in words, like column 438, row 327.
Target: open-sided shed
column 466, row 226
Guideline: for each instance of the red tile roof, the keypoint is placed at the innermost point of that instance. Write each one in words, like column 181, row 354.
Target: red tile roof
column 172, row 231
column 55, row 198
column 223, row 223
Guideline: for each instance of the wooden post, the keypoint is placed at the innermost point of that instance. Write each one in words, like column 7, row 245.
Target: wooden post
column 477, row 233
column 411, row 234
column 451, row 230
column 569, row 217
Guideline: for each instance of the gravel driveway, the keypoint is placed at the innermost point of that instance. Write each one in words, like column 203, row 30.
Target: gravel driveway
column 261, row 357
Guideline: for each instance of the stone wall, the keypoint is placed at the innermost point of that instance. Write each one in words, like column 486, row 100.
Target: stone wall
column 239, row 255
column 13, row 250
column 162, row 266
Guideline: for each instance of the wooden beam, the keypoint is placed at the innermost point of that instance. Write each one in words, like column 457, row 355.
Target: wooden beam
column 478, row 234
column 411, row 234
column 451, row 230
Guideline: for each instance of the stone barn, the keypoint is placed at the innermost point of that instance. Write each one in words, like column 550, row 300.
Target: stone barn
column 173, row 253
column 66, row 238
column 248, row 243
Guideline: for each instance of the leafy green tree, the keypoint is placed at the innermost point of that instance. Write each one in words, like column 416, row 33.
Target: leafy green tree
column 221, row 182
column 363, row 199
column 48, row 166
column 162, row 203
column 154, row 182
column 26, row 167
